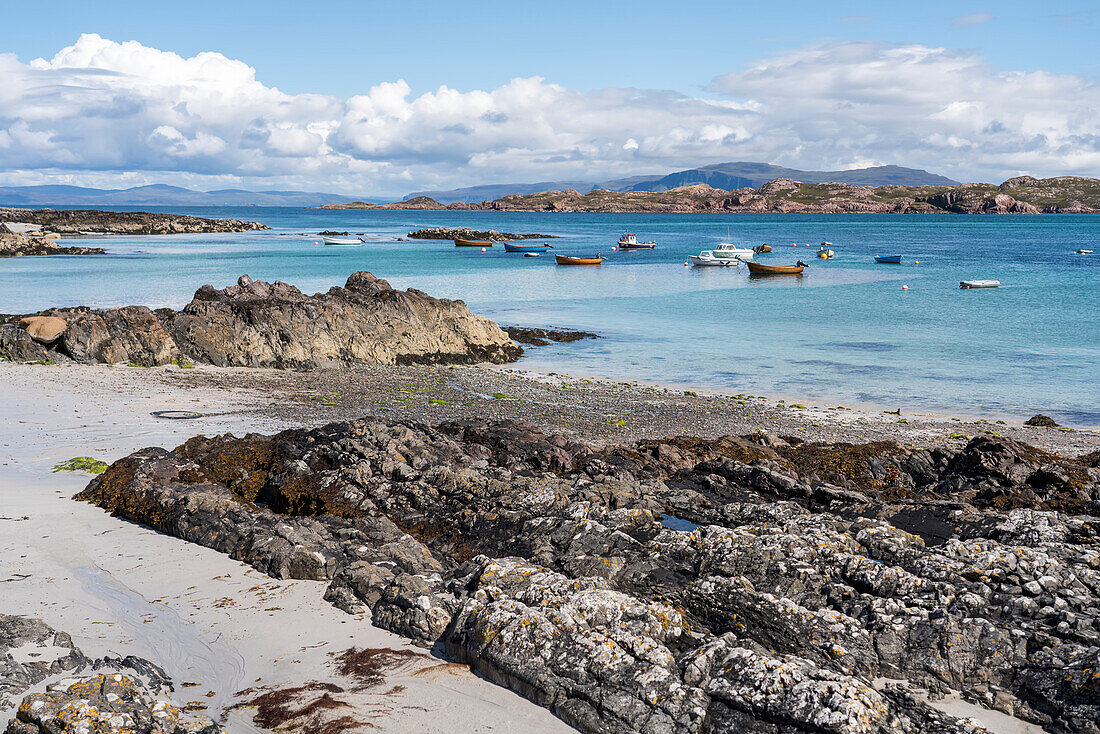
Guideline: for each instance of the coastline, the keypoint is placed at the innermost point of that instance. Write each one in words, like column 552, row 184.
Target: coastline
column 120, row 588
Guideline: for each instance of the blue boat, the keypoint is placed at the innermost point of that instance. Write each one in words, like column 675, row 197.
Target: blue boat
column 509, row 247
column 890, row 259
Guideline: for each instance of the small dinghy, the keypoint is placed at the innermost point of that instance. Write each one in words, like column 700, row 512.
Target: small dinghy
column 706, row 258
column 341, row 242
column 979, row 283
column 566, row 260
column 509, row 247
column 1082, row 252
column 531, row 254
column 756, row 268
column 826, row 253
column 762, row 248
column 472, row 243
column 888, row 259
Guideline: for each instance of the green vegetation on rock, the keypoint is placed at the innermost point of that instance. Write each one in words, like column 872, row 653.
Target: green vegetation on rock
column 82, row 463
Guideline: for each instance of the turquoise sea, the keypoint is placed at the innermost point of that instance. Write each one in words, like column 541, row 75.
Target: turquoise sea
column 843, row 333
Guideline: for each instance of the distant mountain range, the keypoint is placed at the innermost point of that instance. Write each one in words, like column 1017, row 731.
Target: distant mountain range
column 720, row 176
column 158, row 195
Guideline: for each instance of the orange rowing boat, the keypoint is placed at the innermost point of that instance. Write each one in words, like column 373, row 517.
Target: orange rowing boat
column 566, row 260
column 472, row 243
column 756, row 268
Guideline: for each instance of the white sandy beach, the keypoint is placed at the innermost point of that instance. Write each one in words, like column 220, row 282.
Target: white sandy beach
column 122, row 589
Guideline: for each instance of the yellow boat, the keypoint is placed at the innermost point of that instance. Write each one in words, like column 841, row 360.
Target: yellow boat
column 566, row 260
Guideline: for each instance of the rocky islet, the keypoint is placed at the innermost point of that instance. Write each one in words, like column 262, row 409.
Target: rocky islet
column 259, row 324
column 675, row 585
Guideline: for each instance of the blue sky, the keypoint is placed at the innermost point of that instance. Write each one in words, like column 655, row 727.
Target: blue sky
column 634, row 87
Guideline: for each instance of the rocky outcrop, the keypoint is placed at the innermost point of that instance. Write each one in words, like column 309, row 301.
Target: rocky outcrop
column 20, row 245
column 746, row 583
column 30, row 652
column 1019, row 195
column 258, row 324
column 465, row 233
column 538, row 337
column 124, row 695
column 78, row 221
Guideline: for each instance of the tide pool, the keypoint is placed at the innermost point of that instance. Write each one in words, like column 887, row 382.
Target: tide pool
column 845, row 332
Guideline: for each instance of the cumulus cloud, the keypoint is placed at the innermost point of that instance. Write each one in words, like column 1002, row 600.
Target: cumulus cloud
column 99, row 109
column 940, row 108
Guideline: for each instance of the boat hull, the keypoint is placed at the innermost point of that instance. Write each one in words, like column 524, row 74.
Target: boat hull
column 565, row 260
column 888, row 259
column 979, row 284
column 337, row 242
column 639, row 246
column 472, row 243
column 509, row 247
column 714, row 262
column 759, row 269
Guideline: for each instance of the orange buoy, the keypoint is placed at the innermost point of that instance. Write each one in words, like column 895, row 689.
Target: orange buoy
column 483, row 249
column 905, row 287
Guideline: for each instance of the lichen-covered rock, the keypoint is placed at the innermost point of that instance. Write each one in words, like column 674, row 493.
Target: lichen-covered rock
column 678, row 585
column 105, row 703
column 30, row 652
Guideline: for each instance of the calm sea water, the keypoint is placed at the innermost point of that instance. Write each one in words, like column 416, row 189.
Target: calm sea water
column 846, row 331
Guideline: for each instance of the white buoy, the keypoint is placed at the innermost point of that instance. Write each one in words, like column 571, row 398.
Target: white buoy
column 905, row 287
column 686, row 264
column 483, row 249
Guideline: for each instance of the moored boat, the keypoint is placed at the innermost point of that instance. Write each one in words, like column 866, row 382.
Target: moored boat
column 888, row 259
column 532, row 254
column 509, row 247
column 630, row 242
column 728, row 250
column 472, row 243
column 1082, row 252
column 756, row 268
column 762, row 248
column 566, row 260
column 826, row 253
column 706, row 258
column 979, row 284
column 341, row 241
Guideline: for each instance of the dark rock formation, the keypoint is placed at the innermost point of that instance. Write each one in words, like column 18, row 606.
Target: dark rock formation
column 541, row 337
column 18, row 245
column 107, row 695
column 747, row 583
column 258, row 324
column 30, row 652
column 1041, row 421
column 78, row 221
column 465, row 233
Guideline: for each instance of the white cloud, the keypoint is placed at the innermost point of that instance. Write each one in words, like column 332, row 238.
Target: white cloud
column 105, row 111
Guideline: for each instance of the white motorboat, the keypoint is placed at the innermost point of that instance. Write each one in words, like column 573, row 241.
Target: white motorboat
column 708, row 258
column 979, row 283
column 729, row 250
column 341, row 241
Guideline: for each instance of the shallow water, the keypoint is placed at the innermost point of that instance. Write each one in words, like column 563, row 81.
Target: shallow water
column 844, row 332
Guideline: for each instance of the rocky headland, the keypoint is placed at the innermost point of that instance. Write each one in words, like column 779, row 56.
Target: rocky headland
column 94, row 221
column 259, row 324
column 465, row 233
column 1019, row 195
column 757, row 582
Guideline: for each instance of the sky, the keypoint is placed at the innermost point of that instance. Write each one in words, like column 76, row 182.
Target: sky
column 380, row 99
